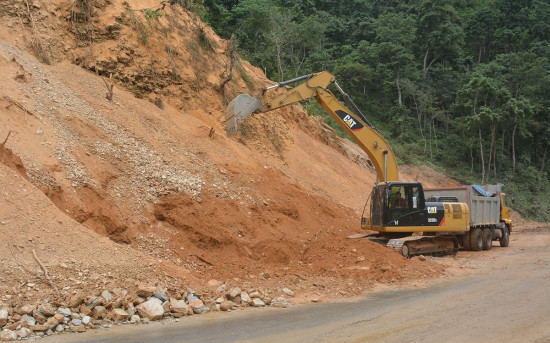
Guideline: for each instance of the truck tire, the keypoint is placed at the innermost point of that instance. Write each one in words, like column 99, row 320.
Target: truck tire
column 476, row 239
column 466, row 241
column 505, row 239
column 487, row 239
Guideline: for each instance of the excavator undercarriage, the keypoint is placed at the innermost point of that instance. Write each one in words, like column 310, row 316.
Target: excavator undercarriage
column 424, row 245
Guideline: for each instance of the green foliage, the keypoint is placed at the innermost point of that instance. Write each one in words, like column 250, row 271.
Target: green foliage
column 527, row 192
column 246, row 78
column 459, row 84
column 151, row 15
column 139, row 26
column 195, row 6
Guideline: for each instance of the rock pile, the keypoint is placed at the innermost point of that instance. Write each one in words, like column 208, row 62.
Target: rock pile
column 78, row 313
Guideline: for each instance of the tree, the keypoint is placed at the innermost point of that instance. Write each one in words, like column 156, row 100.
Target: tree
column 438, row 33
column 392, row 49
column 483, row 98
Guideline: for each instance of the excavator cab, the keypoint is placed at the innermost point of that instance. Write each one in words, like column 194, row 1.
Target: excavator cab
column 396, row 204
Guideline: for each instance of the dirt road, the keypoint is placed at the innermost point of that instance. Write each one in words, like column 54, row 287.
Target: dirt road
column 495, row 296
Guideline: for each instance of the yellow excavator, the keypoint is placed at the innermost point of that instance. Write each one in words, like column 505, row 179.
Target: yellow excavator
column 397, row 209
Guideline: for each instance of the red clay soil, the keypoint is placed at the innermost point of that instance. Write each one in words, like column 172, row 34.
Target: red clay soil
column 147, row 188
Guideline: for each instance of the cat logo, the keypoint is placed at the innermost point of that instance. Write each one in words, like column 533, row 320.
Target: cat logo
column 349, row 121
column 432, row 210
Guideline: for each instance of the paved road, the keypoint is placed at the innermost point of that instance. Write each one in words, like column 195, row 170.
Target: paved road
column 510, row 303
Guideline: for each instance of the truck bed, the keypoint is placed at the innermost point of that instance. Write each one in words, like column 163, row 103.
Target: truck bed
column 484, row 210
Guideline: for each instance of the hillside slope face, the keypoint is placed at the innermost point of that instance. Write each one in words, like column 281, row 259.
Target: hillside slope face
column 152, row 170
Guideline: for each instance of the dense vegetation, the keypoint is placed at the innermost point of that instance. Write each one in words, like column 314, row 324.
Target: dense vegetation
column 461, row 84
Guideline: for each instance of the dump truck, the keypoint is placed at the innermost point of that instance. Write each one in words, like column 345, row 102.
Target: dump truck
column 489, row 215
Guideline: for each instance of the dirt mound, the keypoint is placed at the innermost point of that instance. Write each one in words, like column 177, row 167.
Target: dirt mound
column 146, row 187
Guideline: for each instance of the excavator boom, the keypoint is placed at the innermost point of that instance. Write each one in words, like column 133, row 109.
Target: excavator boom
column 315, row 86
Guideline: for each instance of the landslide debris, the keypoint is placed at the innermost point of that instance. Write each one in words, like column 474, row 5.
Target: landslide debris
column 145, row 189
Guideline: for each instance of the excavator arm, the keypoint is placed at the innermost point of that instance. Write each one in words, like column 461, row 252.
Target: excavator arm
column 315, row 86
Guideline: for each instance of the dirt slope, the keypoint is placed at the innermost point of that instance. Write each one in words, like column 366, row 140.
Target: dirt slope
column 146, row 188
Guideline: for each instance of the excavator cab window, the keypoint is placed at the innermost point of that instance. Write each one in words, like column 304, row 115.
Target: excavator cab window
column 403, row 199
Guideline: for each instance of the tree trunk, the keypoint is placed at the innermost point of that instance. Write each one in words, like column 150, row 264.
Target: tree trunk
column 279, row 63
column 419, row 116
column 435, row 134
column 494, row 147
column 471, row 160
column 544, row 159
column 490, row 154
column 430, row 131
column 479, row 54
column 514, row 150
column 502, row 150
column 399, row 98
column 424, row 70
column 425, row 66
column 481, row 154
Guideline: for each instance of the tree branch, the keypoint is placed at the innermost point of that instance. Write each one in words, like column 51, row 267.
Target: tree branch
column 45, row 272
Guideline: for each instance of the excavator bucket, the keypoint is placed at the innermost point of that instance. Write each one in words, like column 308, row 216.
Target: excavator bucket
column 237, row 110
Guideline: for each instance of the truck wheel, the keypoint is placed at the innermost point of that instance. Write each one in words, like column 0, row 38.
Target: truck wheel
column 476, row 240
column 487, row 239
column 466, row 241
column 505, row 239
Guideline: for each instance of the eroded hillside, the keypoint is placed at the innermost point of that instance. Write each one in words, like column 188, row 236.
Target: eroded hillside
column 152, row 170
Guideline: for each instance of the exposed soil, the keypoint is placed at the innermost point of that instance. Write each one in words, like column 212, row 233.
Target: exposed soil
column 146, row 188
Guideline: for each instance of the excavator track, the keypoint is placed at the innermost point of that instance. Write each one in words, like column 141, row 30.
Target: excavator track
column 424, row 245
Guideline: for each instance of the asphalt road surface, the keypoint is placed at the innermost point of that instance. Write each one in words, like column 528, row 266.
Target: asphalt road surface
column 508, row 301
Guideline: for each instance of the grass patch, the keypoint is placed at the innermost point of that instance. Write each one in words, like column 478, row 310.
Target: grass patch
column 247, row 80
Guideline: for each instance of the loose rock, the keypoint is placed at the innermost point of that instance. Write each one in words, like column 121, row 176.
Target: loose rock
column 23, row 332
column 146, row 291
column 47, row 309
column 245, row 298
column 178, row 306
column 64, row 311
column 119, row 314
column 160, row 296
column 75, row 300
column 226, row 305
column 8, row 335
column 233, row 293
column 51, row 323
column 198, row 306
column 26, row 309
column 3, row 317
column 257, row 302
column 107, row 296
column 99, row 312
column 288, row 292
column 151, row 309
